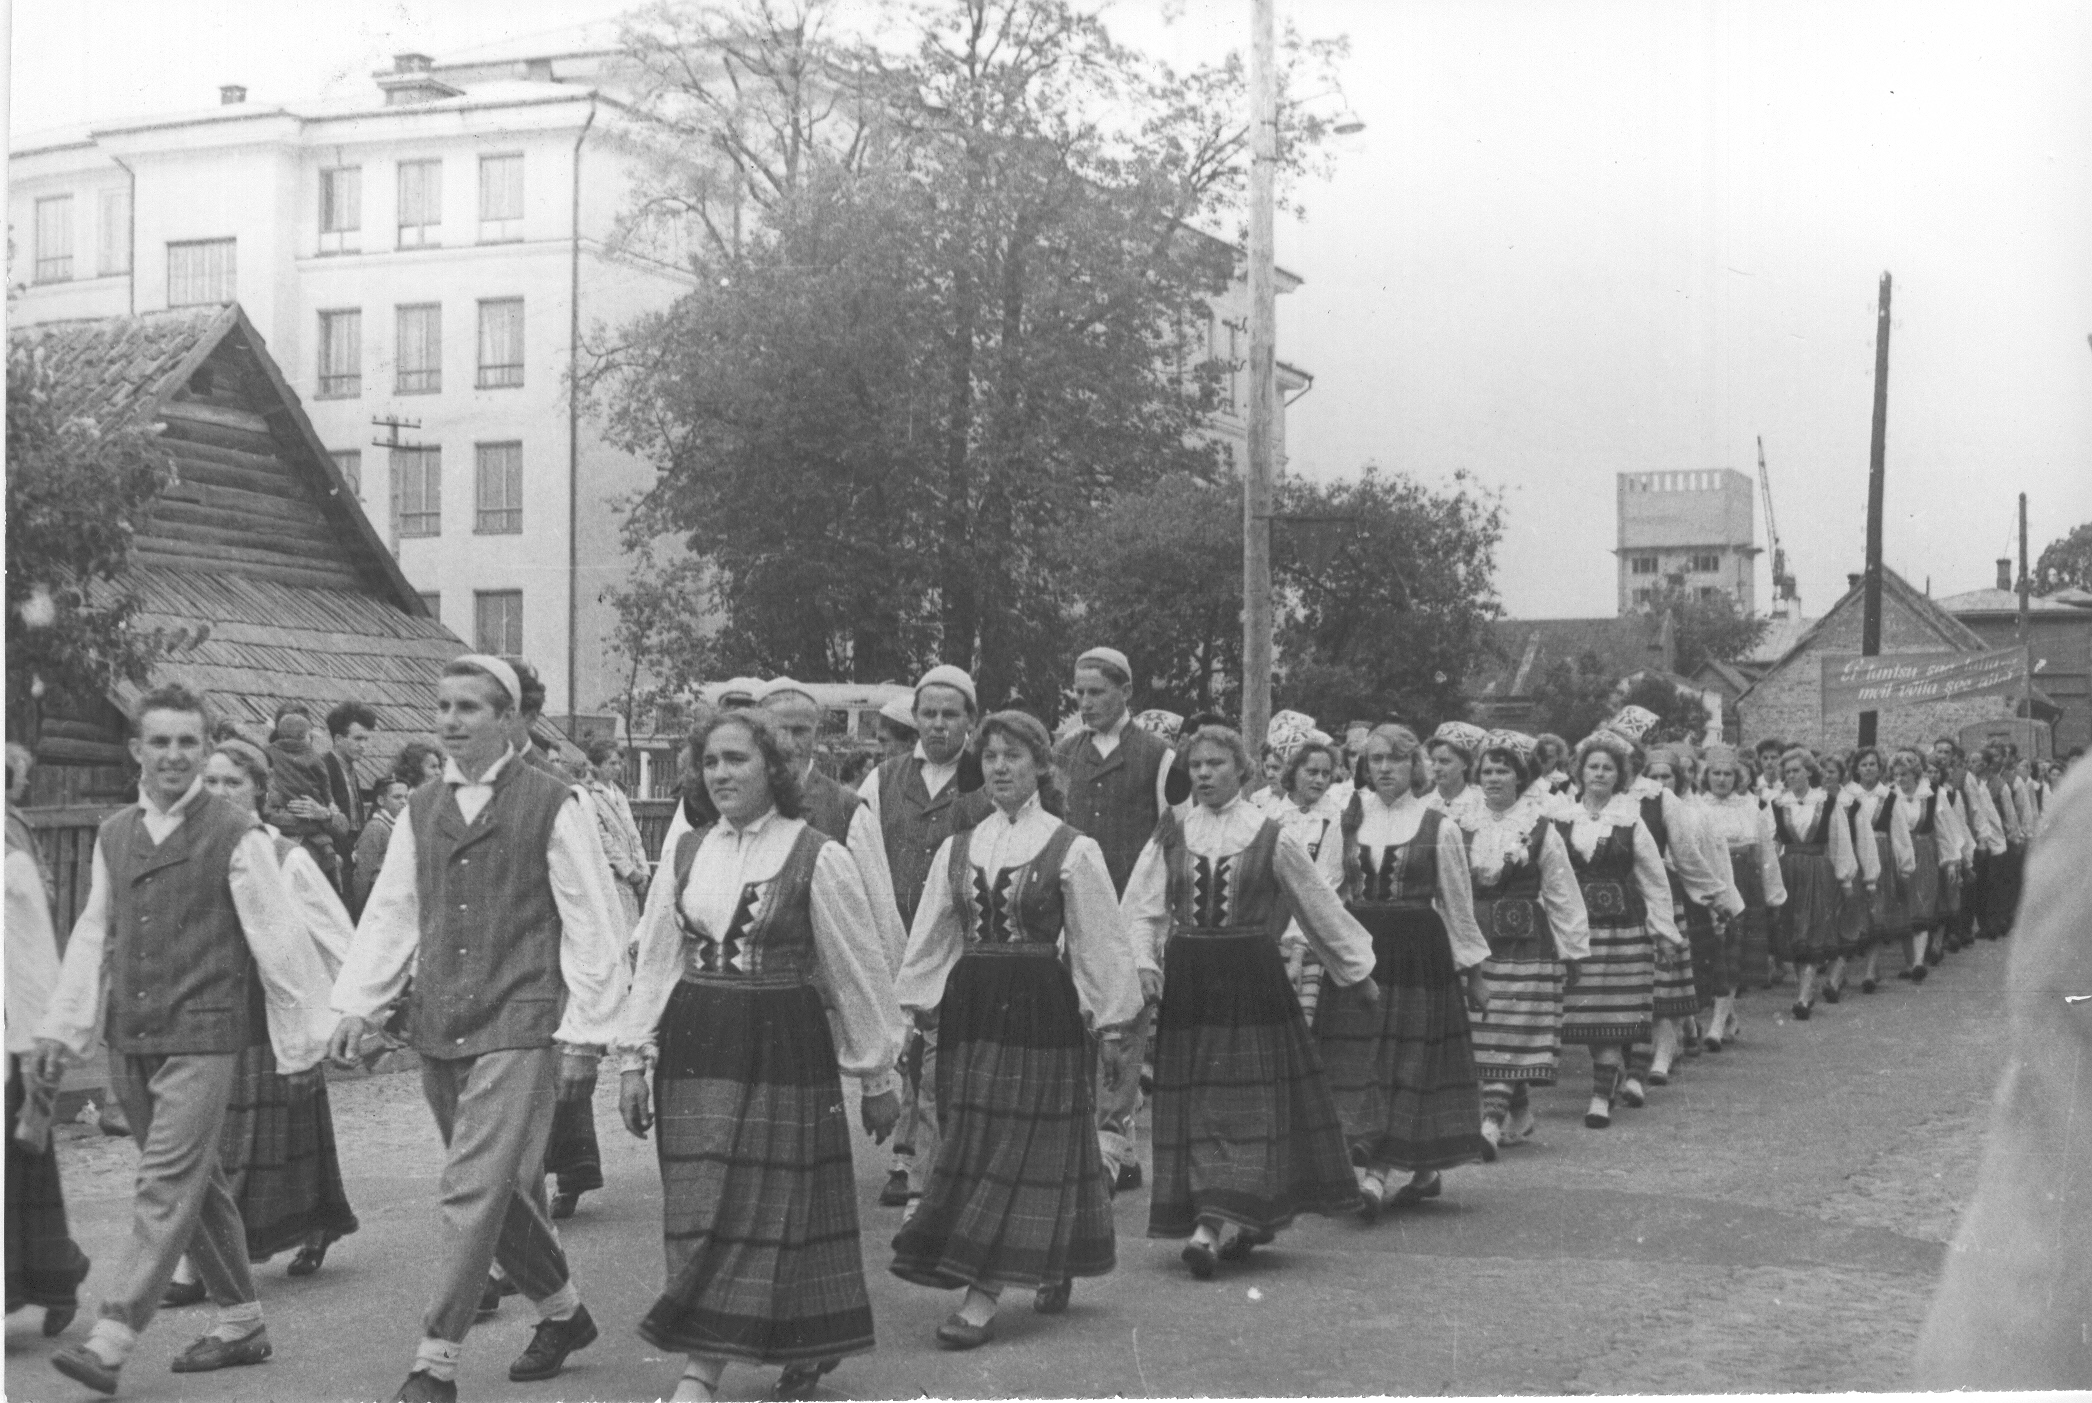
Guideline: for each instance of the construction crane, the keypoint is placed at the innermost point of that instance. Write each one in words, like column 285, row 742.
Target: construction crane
column 1784, row 592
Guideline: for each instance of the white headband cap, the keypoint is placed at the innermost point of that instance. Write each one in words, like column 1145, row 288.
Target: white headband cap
column 1108, row 655
column 779, row 686
column 956, row 678
column 900, row 711
column 497, row 669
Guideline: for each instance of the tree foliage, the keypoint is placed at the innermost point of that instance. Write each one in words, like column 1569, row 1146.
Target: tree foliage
column 660, row 639
column 2065, row 562
column 1573, row 695
column 948, row 303
column 77, row 495
column 1707, row 629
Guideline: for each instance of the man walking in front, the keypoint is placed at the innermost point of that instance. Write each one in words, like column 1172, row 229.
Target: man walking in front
column 496, row 880
column 191, row 948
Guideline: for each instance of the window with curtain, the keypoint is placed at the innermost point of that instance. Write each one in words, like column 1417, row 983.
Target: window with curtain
column 201, row 271
column 341, row 354
column 350, row 461
column 417, row 491
column 498, row 489
column 501, row 343
column 54, row 239
column 341, row 209
column 500, row 198
column 420, row 203
column 115, row 231
column 418, row 364
column 497, row 620
column 433, row 600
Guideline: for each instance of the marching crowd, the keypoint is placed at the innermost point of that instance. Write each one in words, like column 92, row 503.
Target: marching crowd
column 1329, row 972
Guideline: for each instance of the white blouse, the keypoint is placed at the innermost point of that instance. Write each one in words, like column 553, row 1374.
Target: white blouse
column 326, row 919
column 1868, row 803
column 1950, row 827
column 1100, row 957
column 1702, row 864
column 1384, row 826
column 1740, row 821
column 1502, row 839
column 1587, row 830
column 1461, row 807
column 1339, row 941
column 850, row 968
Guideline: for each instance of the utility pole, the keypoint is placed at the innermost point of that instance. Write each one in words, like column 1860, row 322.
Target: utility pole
column 2026, row 588
column 1263, row 338
column 1877, row 455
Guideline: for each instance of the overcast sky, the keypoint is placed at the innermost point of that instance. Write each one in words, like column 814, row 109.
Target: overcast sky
column 1575, row 239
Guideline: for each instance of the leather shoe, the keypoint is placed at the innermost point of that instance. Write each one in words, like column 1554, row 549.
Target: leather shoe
column 1129, row 1176
column 1236, row 1248
column 894, row 1193
column 1052, row 1300
column 1414, row 1192
column 802, row 1380
column 210, row 1352
column 1372, row 1197
column 56, row 1318
column 83, row 1366
column 182, row 1293
column 1801, row 1012
column 490, row 1299
column 550, row 1344
column 1199, row 1257
column 958, row 1333
column 309, row 1258
column 423, row 1387
column 563, row 1205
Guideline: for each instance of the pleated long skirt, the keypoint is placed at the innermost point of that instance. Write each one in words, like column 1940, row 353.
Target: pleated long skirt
column 280, row 1160
column 1613, row 1000
column 1891, row 896
column 1018, row 1194
column 1403, row 1075
column 1245, row 1129
column 1814, row 903
column 1923, row 888
column 1676, row 995
column 44, row 1265
column 1749, row 946
column 758, row 1202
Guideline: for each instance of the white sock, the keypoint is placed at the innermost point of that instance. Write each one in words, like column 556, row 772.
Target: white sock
column 438, row 1359
column 184, row 1272
column 561, row 1304
column 112, row 1341
column 237, row 1322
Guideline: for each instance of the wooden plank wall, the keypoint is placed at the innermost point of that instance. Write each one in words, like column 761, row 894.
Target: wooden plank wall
column 67, row 839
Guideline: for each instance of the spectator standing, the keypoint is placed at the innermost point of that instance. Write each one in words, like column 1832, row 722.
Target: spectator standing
column 622, row 843
column 388, row 797
column 348, row 735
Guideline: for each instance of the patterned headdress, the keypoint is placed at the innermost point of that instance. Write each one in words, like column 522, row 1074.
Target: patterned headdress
column 1289, row 731
column 1463, row 736
column 1166, row 725
column 1633, row 722
column 1517, row 742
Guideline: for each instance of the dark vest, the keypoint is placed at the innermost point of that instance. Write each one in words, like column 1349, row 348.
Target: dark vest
column 1812, row 843
column 1612, row 896
column 1881, row 810
column 1018, row 906
column 828, row 807
column 1928, row 818
column 914, row 825
column 181, row 978
column 772, row 947
column 1111, row 798
column 488, row 977
column 1508, row 910
column 1234, row 895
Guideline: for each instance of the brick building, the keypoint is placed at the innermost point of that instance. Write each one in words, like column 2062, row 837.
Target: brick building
column 2059, row 638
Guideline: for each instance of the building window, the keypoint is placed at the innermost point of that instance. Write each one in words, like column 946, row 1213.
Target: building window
column 54, row 239
column 350, row 462
column 1642, row 596
column 341, row 209
column 1709, row 592
column 501, row 343
column 498, row 490
column 419, row 363
column 341, row 354
column 497, row 620
column 433, row 599
column 500, row 198
column 115, row 242
column 1643, row 565
column 417, row 491
column 421, row 203
column 1706, row 564
column 200, row 272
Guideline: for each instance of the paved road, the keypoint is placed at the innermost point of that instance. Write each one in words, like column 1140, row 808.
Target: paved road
column 1773, row 1222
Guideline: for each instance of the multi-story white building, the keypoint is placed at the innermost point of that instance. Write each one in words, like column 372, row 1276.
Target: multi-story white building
column 424, row 263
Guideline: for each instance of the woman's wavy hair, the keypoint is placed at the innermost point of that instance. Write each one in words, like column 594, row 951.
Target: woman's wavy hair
column 1725, row 757
column 777, row 766
column 1023, row 729
column 1228, row 739
column 1289, row 776
column 253, row 764
column 1852, row 766
column 407, row 765
column 1510, row 759
column 1405, row 745
column 1549, row 750
column 1809, row 763
column 1626, row 754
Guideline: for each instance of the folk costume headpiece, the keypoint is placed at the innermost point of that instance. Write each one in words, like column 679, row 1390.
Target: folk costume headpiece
column 1289, row 730
column 497, row 669
column 1463, row 736
column 1165, row 725
column 1633, row 722
column 1517, row 742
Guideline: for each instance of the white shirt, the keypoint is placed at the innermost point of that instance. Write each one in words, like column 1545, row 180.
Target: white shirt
column 1100, row 956
column 294, row 979
column 1740, row 821
column 592, row 925
column 1587, row 830
column 1702, row 864
column 1336, row 938
column 326, row 919
column 32, row 952
column 850, row 968
column 1383, row 827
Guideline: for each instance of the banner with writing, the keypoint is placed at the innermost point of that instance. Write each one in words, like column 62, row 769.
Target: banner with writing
column 1852, row 684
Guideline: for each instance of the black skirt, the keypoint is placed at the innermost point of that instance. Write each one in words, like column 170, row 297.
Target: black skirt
column 44, row 1265
column 279, row 1158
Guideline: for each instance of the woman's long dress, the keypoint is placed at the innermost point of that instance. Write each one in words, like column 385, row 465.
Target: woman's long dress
column 1858, row 861
column 1922, row 889
column 1320, row 827
column 1895, row 860
column 1688, row 977
column 1742, row 826
column 749, row 935
column 278, row 1149
column 1245, row 1130
column 1530, row 909
column 1813, row 841
column 1627, row 899
column 1018, row 1193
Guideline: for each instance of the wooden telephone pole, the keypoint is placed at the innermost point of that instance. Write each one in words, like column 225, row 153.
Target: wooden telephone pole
column 1263, row 389
column 1877, row 456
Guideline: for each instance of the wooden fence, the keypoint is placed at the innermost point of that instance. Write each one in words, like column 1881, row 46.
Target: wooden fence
column 66, row 836
column 653, row 817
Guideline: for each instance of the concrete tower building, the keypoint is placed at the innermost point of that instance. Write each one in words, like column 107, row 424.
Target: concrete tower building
column 1691, row 530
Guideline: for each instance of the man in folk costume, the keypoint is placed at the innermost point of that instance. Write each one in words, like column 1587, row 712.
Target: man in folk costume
column 495, row 879
column 914, row 803
column 1118, row 784
column 190, row 948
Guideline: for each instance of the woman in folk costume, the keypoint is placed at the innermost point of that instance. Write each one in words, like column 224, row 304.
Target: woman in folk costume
column 1245, row 1131
column 1311, row 811
column 1627, row 898
column 1704, row 900
column 1957, row 851
column 1880, row 821
column 1550, row 767
column 1452, row 749
column 44, row 1266
column 1530, row 910
column 1018, row 1194
column 1814, row 844
column 1402, row 1067
column 1288, row 731
column 1741, row 828
column 756, row 927
column 1920, row 808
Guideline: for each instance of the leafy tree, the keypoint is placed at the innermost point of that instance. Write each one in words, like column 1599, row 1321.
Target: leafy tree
column 660, row 639
column 1678, row 717
column 1387, row 586
column 1573, row 695
column 2065, row 562
column 77, row 494
column 1710, row 628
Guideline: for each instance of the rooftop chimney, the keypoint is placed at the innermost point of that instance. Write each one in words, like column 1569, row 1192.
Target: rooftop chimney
column 412, row 63
column 1853, row 579
column 2005, row 574
column 413, row 79
column 231, row 93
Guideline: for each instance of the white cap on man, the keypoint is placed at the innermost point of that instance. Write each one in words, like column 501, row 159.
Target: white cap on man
column 956, row 678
